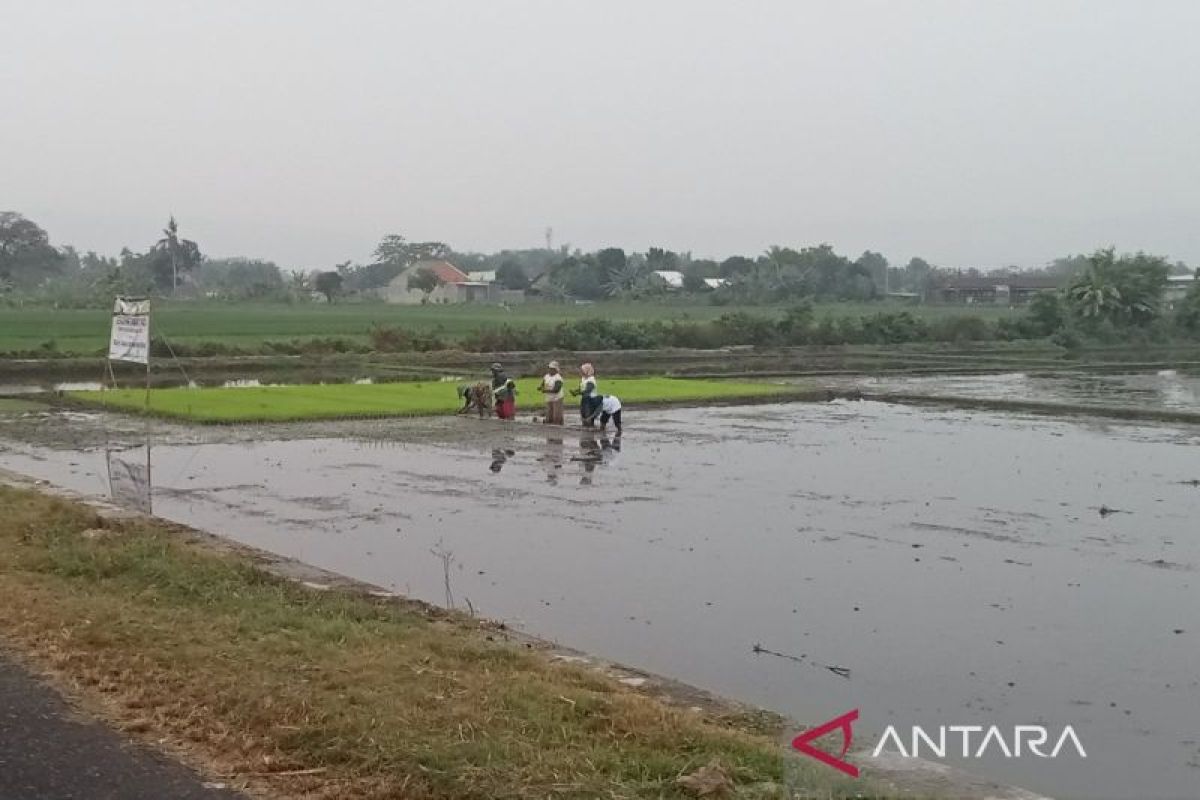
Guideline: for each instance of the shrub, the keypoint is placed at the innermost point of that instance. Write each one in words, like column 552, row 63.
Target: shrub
column 738, row 327
column 893, row 328
column 386, row 339
column 961, row 328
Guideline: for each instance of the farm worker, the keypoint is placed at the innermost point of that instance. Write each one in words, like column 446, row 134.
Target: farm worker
column 477, row 396
column 552, row 390
column 610, row 408
column 498, row 376
column 589, row 397
column 505, row 393
column 506, row 399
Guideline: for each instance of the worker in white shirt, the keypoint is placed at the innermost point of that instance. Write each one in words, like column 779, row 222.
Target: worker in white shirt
column 552, row 390
column 610, row 408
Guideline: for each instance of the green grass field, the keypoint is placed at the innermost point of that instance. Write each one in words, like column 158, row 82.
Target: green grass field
column 337, row 401
column 85, row 331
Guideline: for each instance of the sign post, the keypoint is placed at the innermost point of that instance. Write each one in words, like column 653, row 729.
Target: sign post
column 130, row 339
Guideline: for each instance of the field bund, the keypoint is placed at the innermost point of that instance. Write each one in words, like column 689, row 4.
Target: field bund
column 342, row 401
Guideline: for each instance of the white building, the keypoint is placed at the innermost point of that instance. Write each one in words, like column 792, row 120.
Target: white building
column 1177, row 287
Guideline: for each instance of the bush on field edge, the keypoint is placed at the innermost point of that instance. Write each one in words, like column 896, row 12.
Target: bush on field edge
column 1043, row 320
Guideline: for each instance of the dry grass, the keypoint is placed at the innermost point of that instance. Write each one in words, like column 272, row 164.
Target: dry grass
column 355, row 697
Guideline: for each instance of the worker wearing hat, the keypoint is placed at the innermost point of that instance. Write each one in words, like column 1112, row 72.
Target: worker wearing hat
column 552, row 390
column 504, row 392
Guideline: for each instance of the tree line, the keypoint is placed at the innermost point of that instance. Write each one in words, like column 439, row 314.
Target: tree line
column 1104, row 296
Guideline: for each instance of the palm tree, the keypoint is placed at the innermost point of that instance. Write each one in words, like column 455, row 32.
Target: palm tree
column 183, row 253
column 1094, row 297
column 630, row 280
column 1095, row 293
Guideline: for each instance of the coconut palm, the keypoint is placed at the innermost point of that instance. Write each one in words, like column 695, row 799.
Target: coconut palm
column 1125, row 289
column 1094, row 296
column 629, row 281
column 173, row 255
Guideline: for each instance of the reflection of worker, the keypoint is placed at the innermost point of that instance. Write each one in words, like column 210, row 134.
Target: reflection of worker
column 499, row 457
column 610, row 449
column 552, row 458
column 552, row 390
column 589, row 457
column 610, row 408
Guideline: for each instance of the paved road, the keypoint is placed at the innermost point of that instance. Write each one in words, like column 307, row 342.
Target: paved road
column 48, row 752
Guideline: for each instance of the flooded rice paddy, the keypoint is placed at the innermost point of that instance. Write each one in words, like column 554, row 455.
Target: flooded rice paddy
column 925, row 566
column 1166, row 390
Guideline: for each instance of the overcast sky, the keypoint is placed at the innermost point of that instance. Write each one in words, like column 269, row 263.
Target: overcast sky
column 970, row 133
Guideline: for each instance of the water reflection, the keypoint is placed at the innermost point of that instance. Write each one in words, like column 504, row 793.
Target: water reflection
column 1163, row 390
column 552, row 458
column 500, row 457
column 595, row 451
column 129, row 477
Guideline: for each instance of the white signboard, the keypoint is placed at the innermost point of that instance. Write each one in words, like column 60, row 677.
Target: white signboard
column 130, row 331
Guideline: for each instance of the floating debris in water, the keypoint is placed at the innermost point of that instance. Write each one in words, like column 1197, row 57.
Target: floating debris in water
column 841, row 672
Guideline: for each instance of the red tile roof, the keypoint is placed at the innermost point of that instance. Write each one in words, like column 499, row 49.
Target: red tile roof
column 445, row 271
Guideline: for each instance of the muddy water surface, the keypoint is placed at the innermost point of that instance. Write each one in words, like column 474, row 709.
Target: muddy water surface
column 924, row 566
column 1166, row 390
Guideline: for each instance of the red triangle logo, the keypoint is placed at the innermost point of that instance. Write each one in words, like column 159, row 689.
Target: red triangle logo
column 843, row 723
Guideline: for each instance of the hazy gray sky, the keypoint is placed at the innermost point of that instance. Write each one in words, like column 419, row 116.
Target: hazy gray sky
column 971, row 133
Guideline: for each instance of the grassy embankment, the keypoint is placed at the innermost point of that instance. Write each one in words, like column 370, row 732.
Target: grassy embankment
column 250, row 326
column 331, row 694
column 336, row 401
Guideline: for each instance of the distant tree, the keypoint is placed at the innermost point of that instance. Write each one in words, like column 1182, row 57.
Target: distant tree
column 693, row 281
column 511, row 275
column 633, row 280
column 918, row 276
column 780, row 258
column 395, row 249
column 736, row 265
column 392, row 249
column 424, row 279
column 661, row 260
column 328, row 284
column 298, row 284
column 240, row 278
column 172, row 257
column 1124, row 290
column 393, row 255
column 1187, row 312
column 579, row 277
column 1045, row 313
column 611, row 260
column 26, row 255
column 875, row 266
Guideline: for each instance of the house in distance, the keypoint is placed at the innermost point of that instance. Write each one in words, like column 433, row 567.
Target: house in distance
column 448, row 284
column 1005, row 290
